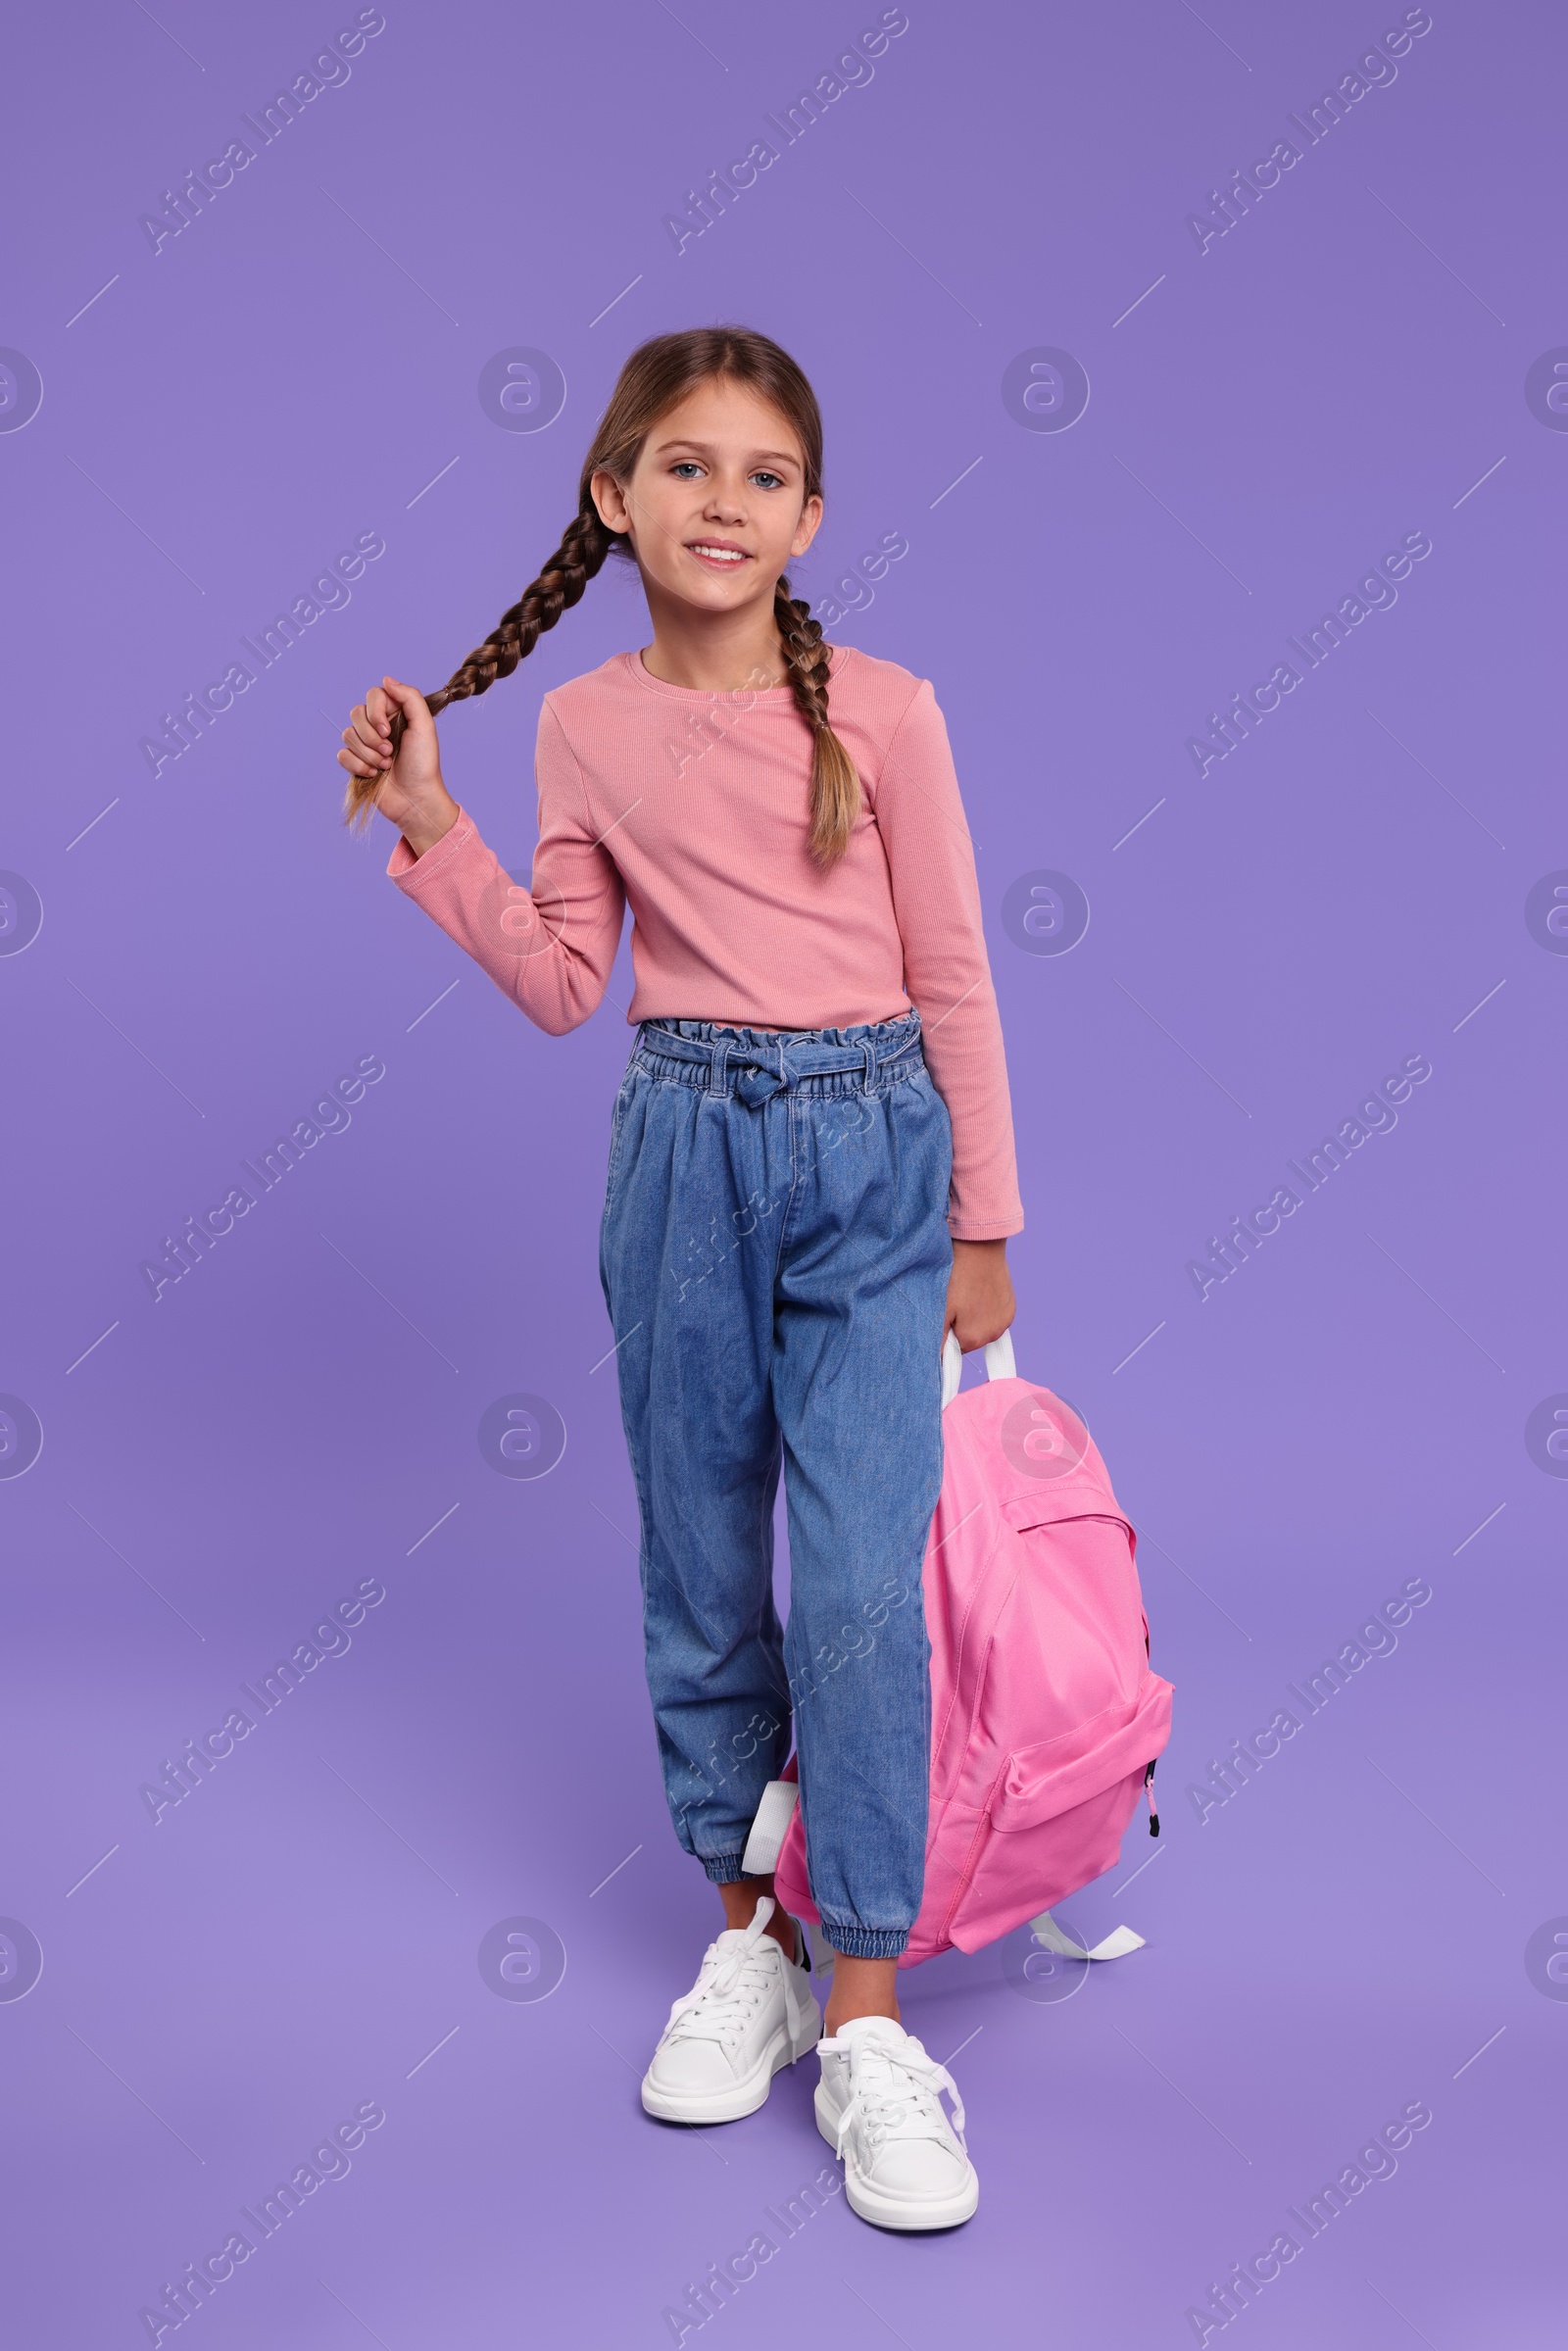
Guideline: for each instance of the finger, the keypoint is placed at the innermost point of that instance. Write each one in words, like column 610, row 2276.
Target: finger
column 408, row 699
column 379, row 709
column 366, row 741
column 358, row 768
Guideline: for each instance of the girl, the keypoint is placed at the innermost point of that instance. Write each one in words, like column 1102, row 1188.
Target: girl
column 810, row 1181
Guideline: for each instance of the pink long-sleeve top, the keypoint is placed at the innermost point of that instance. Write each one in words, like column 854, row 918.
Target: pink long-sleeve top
column 694, row 808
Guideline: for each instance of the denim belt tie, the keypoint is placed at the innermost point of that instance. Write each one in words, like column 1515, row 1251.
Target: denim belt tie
column 756, row 1084
column 754, row 1074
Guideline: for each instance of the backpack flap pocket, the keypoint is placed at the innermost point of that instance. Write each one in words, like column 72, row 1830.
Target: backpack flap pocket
column 1049, row 1505
column 1038, row 1782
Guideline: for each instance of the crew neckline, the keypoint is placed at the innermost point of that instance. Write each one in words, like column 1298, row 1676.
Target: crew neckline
column 660, row 685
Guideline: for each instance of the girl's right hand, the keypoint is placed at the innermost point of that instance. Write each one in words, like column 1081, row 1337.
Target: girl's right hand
column 412, row 792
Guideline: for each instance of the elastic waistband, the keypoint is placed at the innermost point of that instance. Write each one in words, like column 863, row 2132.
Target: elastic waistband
column 767, row 1060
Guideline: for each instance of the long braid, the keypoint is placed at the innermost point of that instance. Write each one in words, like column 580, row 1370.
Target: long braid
column 584, row 546
column 655, row 379
column 835, row 785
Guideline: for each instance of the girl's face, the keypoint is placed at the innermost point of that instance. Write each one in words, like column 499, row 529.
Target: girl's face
column 715, row 507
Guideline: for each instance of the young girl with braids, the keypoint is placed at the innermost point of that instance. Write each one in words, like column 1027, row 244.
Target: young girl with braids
column 810, row 1182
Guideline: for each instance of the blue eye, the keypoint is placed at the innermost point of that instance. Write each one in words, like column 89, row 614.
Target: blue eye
column 689, row 464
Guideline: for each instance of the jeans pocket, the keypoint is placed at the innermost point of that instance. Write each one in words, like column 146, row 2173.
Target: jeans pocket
column 941, row 1131
column 617, row 1131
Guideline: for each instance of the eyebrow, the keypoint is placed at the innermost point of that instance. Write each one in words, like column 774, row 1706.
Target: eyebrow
column 704, row 448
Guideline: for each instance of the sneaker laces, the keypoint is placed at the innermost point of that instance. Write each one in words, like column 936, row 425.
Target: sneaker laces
column 895, row 2092
column 736, row 1975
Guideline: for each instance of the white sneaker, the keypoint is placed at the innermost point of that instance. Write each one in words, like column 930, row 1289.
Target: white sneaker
column 750, row 2012
column 879, row 2107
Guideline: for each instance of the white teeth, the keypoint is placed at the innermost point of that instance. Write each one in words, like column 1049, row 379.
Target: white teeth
column 723, row 555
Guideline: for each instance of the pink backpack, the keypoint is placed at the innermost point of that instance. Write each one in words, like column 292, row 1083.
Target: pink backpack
column 1045, row 1719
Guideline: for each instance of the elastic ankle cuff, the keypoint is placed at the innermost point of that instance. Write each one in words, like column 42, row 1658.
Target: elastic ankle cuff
column 866, row 1943
column 725, row 1869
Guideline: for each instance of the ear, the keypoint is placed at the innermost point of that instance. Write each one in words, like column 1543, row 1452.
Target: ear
column 807, row 528
column 613, row 512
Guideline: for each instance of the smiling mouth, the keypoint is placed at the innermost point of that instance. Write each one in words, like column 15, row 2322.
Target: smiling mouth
column 705, row 553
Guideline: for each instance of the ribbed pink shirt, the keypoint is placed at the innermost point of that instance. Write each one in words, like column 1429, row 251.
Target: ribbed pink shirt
column 694, row 808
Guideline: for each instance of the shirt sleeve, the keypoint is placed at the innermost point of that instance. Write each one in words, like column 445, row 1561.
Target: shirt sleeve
column 946, row 974
column 550, row 947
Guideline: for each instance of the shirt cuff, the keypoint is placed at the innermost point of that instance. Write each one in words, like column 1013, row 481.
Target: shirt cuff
column 962, row 1231
column 411, row 874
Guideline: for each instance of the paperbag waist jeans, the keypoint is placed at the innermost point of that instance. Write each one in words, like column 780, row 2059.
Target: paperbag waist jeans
column 775, row 1256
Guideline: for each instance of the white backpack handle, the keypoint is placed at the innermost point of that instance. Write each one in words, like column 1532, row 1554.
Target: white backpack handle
column 999, row 1364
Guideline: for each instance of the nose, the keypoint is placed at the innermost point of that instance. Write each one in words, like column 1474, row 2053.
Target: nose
column 727, row 500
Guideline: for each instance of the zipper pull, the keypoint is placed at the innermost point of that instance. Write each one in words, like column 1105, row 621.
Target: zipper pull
column 1149, row 1791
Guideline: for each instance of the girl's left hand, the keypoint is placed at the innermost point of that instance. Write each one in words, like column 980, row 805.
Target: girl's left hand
column 980, row 1301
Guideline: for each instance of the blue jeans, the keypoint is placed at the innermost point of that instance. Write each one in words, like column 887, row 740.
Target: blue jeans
column 775, row 1256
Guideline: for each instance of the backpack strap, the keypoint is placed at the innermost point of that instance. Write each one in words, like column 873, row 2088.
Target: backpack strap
column 822, row 1952
column 769, row 1828
column 1053, row 1938
column 999, row 1364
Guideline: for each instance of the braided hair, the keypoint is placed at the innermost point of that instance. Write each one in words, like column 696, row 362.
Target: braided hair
column 655, row 378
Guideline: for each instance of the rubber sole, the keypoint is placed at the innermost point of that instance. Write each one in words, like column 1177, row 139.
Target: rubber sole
column 896, row 2211
column 747, row 2095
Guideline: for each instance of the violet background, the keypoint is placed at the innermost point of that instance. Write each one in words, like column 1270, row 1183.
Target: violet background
column 1347, row 888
